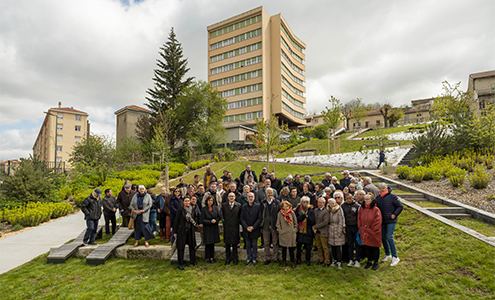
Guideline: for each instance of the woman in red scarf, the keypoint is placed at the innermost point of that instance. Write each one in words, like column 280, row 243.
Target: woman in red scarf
column 287, row 230
column 370, row 230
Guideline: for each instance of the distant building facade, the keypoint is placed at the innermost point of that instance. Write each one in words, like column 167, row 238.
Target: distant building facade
column 126, row 121
column 483, row 87
column 68, row 125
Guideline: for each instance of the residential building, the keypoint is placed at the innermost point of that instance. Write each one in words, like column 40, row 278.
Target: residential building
column 68, row 125
column 483, row 87
column 422, row 103
column 315, row 120
column 127, row 117
column 258, row 65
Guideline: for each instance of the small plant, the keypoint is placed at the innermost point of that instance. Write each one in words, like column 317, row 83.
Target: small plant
column 386, row 169
column 216, row 158
column 403, row 172
column 480, row 178
column 491, row 197
column 418, row 174
column 17, row 227
column 457, row 180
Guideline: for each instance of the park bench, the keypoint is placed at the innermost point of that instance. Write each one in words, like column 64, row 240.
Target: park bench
column 60, row 255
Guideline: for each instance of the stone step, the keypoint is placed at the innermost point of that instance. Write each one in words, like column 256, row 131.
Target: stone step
column 447, row 210
column 455, row 216
column 413, row 197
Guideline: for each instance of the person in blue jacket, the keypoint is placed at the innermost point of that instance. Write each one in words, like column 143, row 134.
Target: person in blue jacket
column 390, row 206
column 382, row 159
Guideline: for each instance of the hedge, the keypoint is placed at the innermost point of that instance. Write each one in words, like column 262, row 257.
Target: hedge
column 34, row 214
column 198, row 164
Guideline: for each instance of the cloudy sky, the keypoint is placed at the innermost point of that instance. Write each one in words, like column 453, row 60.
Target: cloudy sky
column 98, row 55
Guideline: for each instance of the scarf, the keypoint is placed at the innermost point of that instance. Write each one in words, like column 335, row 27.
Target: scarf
column 335, row 208
column 367, row 205
column 384, row 193
column 209, row 207
column 286, row 215
column 303, row 226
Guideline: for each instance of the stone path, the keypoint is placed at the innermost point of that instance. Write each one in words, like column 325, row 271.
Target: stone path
column 21, row 248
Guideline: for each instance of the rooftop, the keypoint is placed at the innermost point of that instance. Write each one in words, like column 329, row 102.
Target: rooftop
column 483, row 74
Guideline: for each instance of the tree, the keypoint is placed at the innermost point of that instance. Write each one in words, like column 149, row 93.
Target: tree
column 332, row 117
column 348, row 108
column 207, row 108
column 452, row 103
column 360, row 113
column 160, row 140
column 267, row 138
column 385, row 110
column 476, row 132
column 129, row 151
column 395, row 115
column 170, row 81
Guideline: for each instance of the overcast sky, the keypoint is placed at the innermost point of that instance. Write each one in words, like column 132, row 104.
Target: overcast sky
column 98, row 55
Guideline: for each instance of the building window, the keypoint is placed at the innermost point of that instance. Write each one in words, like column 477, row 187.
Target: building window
column 59, row 138
column 77, row 139
column 60, row 127
column 377, row 122
column 316, row 121
column 59, row 148
column 78, row 128
column 60, row 115
column 78, row 118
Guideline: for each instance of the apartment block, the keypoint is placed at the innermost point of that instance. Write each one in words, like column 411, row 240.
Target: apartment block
column 258, row 65
column 482, row 85
column 68, row 125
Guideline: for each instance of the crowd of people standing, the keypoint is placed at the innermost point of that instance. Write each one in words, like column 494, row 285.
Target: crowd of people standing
column 348, row 219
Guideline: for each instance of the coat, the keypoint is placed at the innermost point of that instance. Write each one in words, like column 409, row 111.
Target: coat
column 174, row 205
column 251, row 216
column 370, row 225
column 109, row 203
column 266, row 214
column 218, row 199
column 231, row 219
column 124, row 201
column 321, row 222
column 225, row 197
column 287, row 233
column 180, row 228
column 206, row 183
column 345, row 182
column 371, row 188
column 276, row 184
column 243, row 175
column 294, row 201
column 147, row 203
column 91, row 208
column 350, row 213
column 336, row 227
column 305, row 238
column 211, row 234
column 164, row 202
column 389, row 205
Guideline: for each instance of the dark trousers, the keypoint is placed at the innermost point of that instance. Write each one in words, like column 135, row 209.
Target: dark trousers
column 125, row 221
column 209, row 251
column 192, row 250
column 291, row 253
column 352, row 245
column 337, row 253
column 228, row 253
column 307, row 248
column 90, row 235
column 372, row 253
column 251, row 248
column 110, row 218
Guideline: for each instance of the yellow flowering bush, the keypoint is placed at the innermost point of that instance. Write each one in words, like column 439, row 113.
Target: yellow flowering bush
column 35, row 213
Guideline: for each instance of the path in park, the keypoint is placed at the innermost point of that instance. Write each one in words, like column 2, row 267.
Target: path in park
column 23, row 247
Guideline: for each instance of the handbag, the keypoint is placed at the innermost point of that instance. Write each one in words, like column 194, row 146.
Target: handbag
column 131, row 221
column 358, row 239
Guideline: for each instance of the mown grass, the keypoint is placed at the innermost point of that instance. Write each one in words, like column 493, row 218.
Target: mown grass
column 429, row 204
column 322, row 147
column 437, row 262
column 388, row 130
column 479, row 226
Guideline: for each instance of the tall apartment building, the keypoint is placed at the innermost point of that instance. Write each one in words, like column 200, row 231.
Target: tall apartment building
column 71, row 127
column 257, row 63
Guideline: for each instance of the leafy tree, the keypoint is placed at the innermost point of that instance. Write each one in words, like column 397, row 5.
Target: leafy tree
column 130, row 150
column 332, row 117
column 360, row 113
column 435, row 141
column 160, row 140
column 395, row 115
column 477, row 132
column 452, row 103
column 170, row 81
column 308, row 132
column 267, row 138
column 385, row 111
column 320, row 131
column 32, row 181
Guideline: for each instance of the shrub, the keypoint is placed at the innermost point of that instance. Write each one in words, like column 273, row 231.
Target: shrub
column 35, row 213
column 79, row 197
column 17, row 227
column 489, row 162
column 480, row 178
column 418, row 174
column 403, row 172
column 216, row 158
column 455, row 172
column 386, row 169
column 457, row 180
column 198, row 164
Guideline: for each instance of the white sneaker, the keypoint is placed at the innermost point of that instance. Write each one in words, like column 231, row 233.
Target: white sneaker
column 350, row 264
column 357, row 264
column 395, row 261
column 339, row 265
column 387, row 258
column 333, row 263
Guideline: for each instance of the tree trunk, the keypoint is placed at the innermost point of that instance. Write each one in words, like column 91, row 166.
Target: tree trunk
column 166, row 176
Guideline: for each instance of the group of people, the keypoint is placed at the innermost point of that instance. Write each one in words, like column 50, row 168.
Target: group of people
column 347, row 219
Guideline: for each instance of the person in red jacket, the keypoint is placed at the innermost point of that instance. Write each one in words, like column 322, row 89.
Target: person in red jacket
column 370, row 230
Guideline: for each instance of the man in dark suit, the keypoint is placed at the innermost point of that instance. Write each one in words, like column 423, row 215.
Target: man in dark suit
column 231, row 217
column 251, row 220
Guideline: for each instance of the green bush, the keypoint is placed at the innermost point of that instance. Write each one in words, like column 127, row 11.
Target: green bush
column 480, row 178
column 79, row 197
column 403, row 172
column 418, row 174
column 198, row 164
column 34, row 214
column 457, row 180
column 455, row 172
column 113, row 184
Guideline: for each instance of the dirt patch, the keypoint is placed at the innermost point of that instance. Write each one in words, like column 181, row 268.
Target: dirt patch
column 465, row 272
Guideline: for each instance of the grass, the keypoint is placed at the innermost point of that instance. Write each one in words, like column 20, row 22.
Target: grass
column 479, row 226
column 437, row 262
column 429, row 204
column 387, row 130
column 321, row 146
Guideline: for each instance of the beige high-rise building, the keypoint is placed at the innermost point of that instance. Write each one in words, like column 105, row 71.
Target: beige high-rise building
column 72, row 127
column 257, row 62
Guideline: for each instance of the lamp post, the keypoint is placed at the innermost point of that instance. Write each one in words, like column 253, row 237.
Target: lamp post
column 55, row 156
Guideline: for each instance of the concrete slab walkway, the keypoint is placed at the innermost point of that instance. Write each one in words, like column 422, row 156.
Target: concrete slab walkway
column 23, row 247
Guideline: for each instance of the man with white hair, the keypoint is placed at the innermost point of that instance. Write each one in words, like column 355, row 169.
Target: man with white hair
column 289, row 182
column 346, row 180
column 359, row 196
column 369, row 187
column 244, row 175
column 327, row 180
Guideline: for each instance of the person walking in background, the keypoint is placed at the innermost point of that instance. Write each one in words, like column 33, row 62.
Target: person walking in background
column 381, row 159
column 370, row 230
column 251, row 220
column 109, row 204
column 305, row 221
column 141, row 204
column 210, row 216
column 287, row 231
column 185, row 221
column 91, row 208
column 390, row 206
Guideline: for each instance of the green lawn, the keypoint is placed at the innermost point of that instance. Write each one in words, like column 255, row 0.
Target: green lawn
column 437, row 262
column 322, row 146
column 388, row 130
column 428, row 204
column 479, row 226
